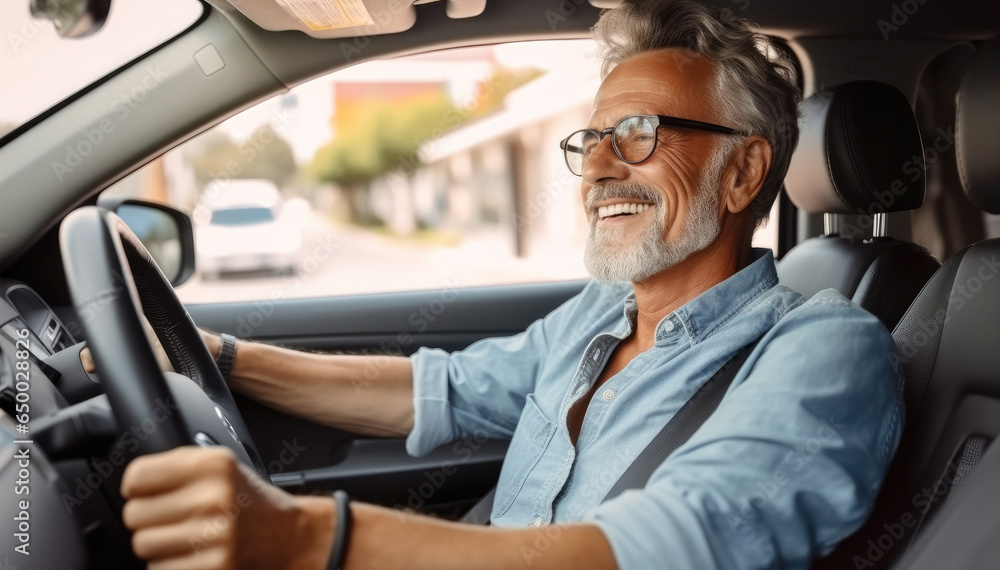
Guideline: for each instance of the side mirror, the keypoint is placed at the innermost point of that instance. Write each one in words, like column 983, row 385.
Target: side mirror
column 73, row 18
column 165, row 232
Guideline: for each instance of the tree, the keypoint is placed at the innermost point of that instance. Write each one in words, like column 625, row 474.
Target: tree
column 265, row 154
column 491, row 93
column 383, row 135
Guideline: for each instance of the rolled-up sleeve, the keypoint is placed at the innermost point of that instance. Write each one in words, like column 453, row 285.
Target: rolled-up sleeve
column 481, row 390
column 787, row 466
column 432, row 425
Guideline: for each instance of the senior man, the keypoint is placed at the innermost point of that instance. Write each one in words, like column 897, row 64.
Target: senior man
column 691, row 133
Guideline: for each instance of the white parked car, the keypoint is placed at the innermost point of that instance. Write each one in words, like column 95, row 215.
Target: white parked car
column 240, row 227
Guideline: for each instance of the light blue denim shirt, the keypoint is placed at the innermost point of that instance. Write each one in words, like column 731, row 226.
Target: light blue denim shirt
column 786, row 467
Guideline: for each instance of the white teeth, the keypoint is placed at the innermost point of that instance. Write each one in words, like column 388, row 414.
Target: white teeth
column 616, row 209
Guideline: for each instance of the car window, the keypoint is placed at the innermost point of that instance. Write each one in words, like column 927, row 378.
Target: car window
column 241, row 216
column 48, row 68
column 439, row 170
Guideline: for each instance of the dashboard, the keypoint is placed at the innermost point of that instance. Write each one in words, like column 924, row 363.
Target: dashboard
column 30, row 333
column 40, row 379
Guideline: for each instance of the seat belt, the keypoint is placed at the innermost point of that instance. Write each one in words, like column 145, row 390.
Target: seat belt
column 481, row 511
column 678, row 430
column 682, row 426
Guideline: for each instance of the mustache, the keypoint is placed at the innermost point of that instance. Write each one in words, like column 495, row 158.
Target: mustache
column 619, row 191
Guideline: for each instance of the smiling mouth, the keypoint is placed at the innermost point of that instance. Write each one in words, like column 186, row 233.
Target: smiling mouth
column 621, row 210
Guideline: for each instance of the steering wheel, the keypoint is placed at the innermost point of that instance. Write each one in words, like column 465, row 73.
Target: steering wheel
column 112, row 278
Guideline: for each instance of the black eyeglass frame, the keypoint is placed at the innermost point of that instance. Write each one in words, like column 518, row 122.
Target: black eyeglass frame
column 662, row 121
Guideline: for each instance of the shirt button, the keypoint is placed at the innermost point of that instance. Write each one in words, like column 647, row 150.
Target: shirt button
column 597, row 354
column 668, row 326
column 609, row 395
column 537, row 521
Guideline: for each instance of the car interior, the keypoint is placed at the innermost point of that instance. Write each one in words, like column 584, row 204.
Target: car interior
column 889, row 199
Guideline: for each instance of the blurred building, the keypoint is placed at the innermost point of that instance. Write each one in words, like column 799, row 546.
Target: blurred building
column 506, row 170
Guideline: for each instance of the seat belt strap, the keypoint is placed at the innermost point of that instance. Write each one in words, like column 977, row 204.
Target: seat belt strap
column 678, row 430
column 481, row 511
column 682, row 426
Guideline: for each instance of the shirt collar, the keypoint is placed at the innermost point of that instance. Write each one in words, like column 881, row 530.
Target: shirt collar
column 702, row 315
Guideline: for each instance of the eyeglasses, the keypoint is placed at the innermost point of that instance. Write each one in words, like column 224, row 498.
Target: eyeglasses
column 633, row 138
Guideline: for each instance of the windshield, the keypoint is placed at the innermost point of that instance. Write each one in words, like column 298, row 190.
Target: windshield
column 40, row 69
column 241, row 216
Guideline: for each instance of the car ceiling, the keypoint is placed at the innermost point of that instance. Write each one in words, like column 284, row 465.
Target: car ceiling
column 953, row 20
column 835, row 42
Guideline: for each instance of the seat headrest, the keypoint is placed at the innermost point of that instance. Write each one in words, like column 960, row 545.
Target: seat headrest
column 859, row 152
column 977, row 128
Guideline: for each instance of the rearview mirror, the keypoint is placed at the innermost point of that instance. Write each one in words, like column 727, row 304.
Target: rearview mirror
column 73, row 18
column 165, row 232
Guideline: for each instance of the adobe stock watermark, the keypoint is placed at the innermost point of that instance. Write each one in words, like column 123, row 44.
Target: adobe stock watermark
column 899, row 15
column 563, row 11
column 453, row 117
column 213, row 528
column 97, row 304
column 28, row 31
column 322, row 249
column 464, row 448
column 248, row 151
column 434, row 479
column 352, row 48
column 541, row 202
column 896, row 530
column 911, row 172
column 544, row 539
column 129, row 440
column 567, row 8
column 793, row 462
column 961, row 293
column 421, row 320
column 548, row 535
column 92, row 137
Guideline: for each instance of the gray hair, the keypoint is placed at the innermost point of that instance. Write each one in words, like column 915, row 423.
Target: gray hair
column 755, row 89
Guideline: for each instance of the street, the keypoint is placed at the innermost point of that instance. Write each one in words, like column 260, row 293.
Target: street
column 341, row 260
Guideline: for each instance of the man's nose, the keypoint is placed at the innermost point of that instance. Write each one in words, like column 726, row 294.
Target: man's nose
column 603, row 164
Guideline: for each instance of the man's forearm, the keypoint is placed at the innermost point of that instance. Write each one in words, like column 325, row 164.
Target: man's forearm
column 371, row 395
column 420, row 542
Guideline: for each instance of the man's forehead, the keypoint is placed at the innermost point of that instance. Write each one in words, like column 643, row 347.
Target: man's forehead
column 658, row 82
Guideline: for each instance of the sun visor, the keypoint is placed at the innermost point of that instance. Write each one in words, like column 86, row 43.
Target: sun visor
column 324, row 19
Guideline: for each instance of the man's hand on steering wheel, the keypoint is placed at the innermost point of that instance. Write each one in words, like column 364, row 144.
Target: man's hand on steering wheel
column 194, row 507
column 87, row 359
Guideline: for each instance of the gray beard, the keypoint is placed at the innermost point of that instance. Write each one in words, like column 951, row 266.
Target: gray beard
column 608, row 257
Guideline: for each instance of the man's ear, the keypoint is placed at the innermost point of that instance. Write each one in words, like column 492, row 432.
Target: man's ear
column 748, row 166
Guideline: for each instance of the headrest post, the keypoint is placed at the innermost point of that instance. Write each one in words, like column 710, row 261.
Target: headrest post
column 878, row 224
column 831, row 224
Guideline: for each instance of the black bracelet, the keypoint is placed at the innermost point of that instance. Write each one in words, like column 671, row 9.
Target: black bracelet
column 227, row 353
column 343, row 530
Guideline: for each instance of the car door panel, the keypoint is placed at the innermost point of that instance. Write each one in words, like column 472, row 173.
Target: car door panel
column 305, row 456
column 446, row 481
column 453, row 317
